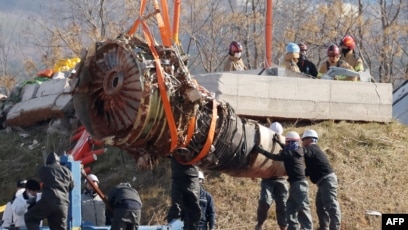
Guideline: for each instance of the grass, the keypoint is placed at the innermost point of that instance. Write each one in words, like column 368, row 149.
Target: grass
column 368, row 158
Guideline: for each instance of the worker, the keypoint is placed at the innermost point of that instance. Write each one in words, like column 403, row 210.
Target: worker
column 297, row 205
column 57, row 182
column 321, row 173
column 305, row 66
column 333, row 55
column 92, row 205
column 234, row 60
column 24, row 201
column 348, row 45
column 292, row 56
column 273, row 189
column 185, row 195
column 127, row 207
column 8, row 218
column 207, row 221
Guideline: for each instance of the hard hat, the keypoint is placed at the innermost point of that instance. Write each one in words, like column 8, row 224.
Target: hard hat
column 302, row 46
column 348, row 41
column 292, row 48
column 292, row 136
column 276, row 127
column 333, row 50
column 235, row 47
column 200, row 175
column 310, row 133
column 92, row 177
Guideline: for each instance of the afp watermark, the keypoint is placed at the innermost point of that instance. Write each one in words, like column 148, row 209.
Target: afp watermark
column 394, row 221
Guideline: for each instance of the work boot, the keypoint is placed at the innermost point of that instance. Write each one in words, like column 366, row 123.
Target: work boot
column 258, row 227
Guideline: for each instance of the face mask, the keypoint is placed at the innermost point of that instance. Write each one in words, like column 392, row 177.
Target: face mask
column 30, row 196
column 345, row 51
column 237, row 55
column 292, row 145
column 302, row 57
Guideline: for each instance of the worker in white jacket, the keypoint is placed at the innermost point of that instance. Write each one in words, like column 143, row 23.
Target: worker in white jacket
column 8, row 219
column 25, row 201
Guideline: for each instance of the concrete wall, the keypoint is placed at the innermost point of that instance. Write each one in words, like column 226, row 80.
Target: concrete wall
column 304, row 98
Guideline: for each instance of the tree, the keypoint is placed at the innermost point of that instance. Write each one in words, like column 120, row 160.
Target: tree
column 207, row 27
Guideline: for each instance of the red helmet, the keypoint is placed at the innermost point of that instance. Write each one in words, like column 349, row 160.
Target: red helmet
column 302, row 46
column 235, row 47
column 333, row 50
column 348, row 41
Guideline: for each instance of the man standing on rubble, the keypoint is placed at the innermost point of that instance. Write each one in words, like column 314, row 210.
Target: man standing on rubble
column 57, row 183
column 321, row 173
column 185, row 195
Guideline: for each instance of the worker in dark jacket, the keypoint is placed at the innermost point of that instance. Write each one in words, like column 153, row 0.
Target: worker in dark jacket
column 185, row 195
column 307, row 67
column 127, row 207
column 298, row 206
column 207, row 221
column 273, row 189
column 57, row 183
column 321, row 173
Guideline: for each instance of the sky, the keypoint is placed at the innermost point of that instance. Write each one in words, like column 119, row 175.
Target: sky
column 23, row 5
column 14, row 16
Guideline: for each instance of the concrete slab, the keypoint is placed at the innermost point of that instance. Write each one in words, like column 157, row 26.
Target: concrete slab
column 300, row 97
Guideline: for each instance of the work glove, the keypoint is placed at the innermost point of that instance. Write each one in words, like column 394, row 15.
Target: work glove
column 277, row 140
column 31, row 200
column 258, row 149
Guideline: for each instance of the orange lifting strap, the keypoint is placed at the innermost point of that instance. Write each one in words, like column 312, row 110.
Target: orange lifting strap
column 162, row 87
column 210, row 138
column 164, row 26
column 166, row 38
column 176, row 21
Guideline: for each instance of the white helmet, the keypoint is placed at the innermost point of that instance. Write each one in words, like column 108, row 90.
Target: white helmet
column 92, row 177
column 200, row 175
column 292, row 136
column 276, row 127
column 310, row 133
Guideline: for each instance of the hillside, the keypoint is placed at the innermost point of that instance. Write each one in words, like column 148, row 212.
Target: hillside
column 369, row 159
